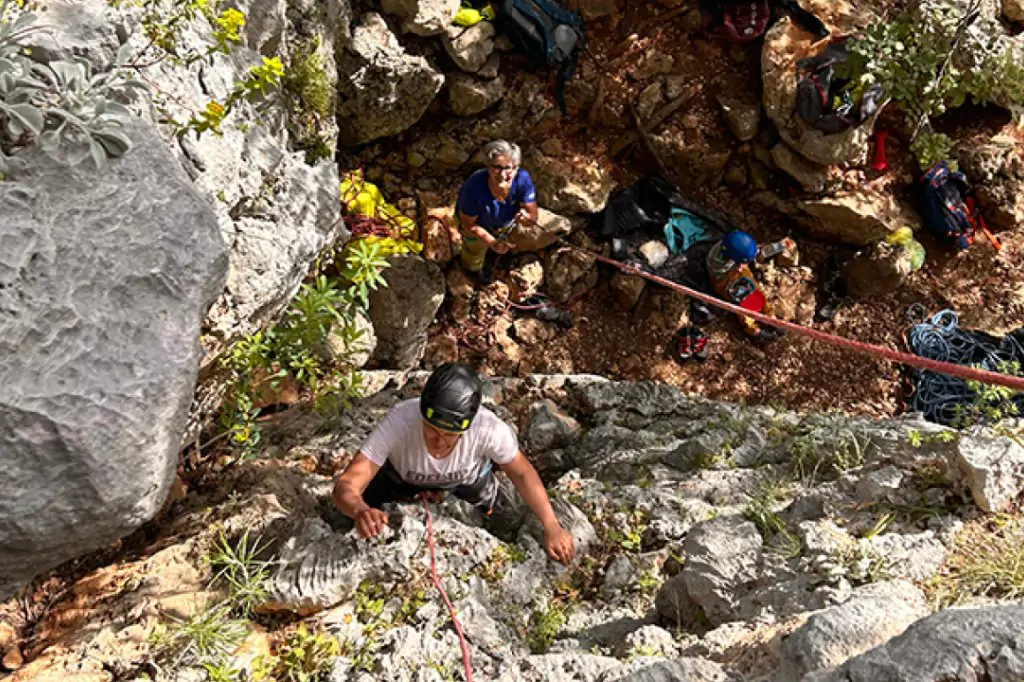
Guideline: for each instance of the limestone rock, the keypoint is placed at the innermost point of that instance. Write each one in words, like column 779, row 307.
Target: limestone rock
column 489, row 71
column 626, row 289
column 441, row 238
column 531, row 331
column 273, row 245
column 786, row 43
column 655, row 253
column 862, row 216
column 811, row 176
column 567, row 271
column 874, row 614
column 549, row 428
column 423, row 17
column 879, row 270
column 468, row 95
column 572, row 519
column 1013, row 10
column 683, row 669
column 104, row 282
column 996, row 172
column 265, row 24
column 441, row 348
column 470, row 47
column 382, row 89
column 88, row 29
column 355, row 352
column 994, row 469
column 403, row 310
column 954, row 645
column 742, row 116
column 570, row 186
column 651, row 640
column 722, row 557
column 527, row 279
column 550, row 226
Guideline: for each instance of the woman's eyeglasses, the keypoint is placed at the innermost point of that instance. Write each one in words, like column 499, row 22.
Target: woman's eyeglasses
column 503, row 168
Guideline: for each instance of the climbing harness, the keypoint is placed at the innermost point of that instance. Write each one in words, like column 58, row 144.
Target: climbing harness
column 444, row 594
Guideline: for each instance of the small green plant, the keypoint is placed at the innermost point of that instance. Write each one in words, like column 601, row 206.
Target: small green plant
column 986, row 562
column 644, row 650
column 305, row 656
column 627, row 529
column 990, row 404
column 930, row 59
column 62, row 107
column 208, row 637
column 370, row 597
column 773, row 528
column 310, row 97
column 544, row 626
column 857, row 563
column 825, row 450
column 648, row 582
column 240, row 567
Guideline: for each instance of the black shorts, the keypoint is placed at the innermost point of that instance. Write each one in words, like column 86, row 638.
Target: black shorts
column 388, row 486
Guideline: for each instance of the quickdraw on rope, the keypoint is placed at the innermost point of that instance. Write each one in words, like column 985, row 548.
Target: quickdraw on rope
column 871, row 350
column 444, row 595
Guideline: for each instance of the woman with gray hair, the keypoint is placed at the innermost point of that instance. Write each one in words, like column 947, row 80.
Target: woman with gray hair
column 491, row 203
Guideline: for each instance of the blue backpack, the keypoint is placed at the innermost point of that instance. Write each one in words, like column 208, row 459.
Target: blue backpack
column 550, row 36
column 946, row 207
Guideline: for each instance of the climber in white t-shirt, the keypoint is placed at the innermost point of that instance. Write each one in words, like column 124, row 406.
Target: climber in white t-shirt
column 443, row 441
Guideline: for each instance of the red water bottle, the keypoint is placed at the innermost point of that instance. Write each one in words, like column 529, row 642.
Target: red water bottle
column 879, row 163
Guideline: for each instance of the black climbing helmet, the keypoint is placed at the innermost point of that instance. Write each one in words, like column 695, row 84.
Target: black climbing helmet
column 451, row 397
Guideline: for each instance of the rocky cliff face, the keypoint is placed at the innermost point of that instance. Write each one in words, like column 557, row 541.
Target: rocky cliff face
column 715, row 543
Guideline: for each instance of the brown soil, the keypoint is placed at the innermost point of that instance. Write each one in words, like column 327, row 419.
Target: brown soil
column 983, row 286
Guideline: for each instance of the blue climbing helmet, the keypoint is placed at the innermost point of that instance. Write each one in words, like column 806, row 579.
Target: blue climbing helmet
column 740, row 247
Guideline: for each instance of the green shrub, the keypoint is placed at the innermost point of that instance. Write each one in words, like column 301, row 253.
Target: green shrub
column 917, row 56
column 292, row 347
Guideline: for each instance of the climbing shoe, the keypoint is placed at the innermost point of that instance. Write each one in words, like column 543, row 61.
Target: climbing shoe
column 690, row 342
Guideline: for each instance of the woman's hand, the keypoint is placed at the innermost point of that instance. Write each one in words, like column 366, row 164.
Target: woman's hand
column 559, row 545
column 370, row 522
column 500, row 246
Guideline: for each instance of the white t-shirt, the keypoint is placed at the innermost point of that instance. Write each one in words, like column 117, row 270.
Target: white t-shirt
column 399, row 439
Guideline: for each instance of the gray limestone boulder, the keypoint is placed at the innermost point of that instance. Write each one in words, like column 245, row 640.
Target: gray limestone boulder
column 402, row 311
column 872, row 616
column 382, row 89
column 680, row 670
column 722, row 560
column 954, row 645
column 468, row 96
column 423, row 17
column 993, row 467
column 549, row 428
column 104, row 281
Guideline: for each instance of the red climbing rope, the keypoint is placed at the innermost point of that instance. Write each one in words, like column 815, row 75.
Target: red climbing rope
column 444, row 595
column 964, row 372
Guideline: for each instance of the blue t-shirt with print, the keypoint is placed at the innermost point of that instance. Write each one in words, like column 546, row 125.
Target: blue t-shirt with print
column 475, row 199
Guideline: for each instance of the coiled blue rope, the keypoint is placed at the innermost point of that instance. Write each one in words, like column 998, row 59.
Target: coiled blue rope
column 942, row 398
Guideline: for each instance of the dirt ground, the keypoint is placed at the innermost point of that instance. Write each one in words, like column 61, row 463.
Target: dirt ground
column 983, row 286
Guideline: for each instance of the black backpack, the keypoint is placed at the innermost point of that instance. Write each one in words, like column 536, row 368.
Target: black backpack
column 550, row 36
column 825, row 100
